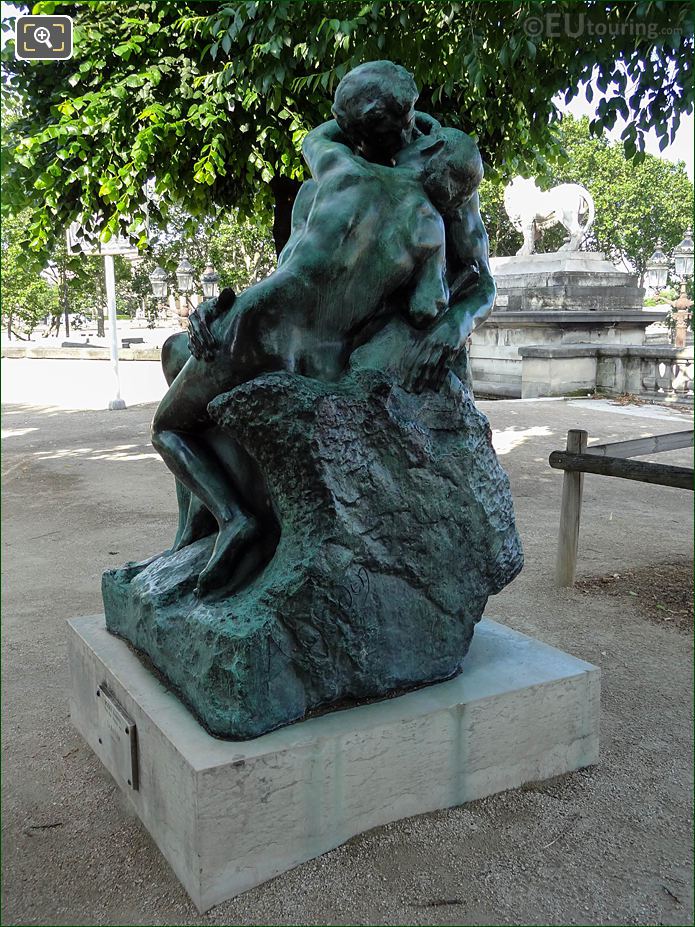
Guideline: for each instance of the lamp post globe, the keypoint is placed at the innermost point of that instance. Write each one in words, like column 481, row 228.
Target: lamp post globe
column 210, row 282
column 184, row 276
column 683, row 255
column 158, row 282
column 656, row 270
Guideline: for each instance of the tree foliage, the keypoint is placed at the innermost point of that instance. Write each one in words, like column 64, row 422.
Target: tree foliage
column 635, row 203
column 240, row 250
column 27, row 298
column 212, row 100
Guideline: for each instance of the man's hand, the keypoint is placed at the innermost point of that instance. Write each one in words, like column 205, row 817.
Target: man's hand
column 202, row 342
column 200, row 339
column 427, row 362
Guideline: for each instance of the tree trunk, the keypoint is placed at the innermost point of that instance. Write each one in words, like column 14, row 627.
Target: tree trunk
column 285, row 191
column 64, row 295
column 101, row 329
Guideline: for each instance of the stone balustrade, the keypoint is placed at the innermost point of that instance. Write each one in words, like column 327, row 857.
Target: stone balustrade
column 656, row 372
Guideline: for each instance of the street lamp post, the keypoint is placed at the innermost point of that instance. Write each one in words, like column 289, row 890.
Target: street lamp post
column 683, row 261
column 159, row 283
column 185, row 284
column 185, row 276
column 210, row 282
column 656, row 271
column 683, row 255
column 656, row 277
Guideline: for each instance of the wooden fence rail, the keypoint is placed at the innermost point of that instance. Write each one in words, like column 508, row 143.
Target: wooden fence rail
column 608, row 460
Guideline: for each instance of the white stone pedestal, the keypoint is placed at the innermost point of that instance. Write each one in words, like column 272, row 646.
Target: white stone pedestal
column 230, row 815
column 558, row 301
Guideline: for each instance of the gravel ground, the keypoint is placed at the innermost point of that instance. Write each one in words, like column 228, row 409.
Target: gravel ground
column 663, row 591
column 607, row 845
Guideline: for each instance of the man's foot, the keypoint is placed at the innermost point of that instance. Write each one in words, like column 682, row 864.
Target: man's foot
column 131, row 569
column 232, row 542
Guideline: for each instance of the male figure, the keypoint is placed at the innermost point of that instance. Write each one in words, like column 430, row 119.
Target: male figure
column 375, row 108
column 371, row 232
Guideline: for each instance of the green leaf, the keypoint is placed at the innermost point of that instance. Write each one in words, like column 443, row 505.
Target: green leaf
column 484, row 72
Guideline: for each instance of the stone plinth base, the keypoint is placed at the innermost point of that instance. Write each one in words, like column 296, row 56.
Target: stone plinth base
column 564, row 280
column 230, row 815
column 496, row 362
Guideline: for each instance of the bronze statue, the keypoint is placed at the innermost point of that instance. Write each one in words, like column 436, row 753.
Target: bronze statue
column 339, row 280
column 342, row 515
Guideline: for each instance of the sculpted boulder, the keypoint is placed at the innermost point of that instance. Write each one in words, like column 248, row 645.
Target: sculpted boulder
column 397, row 524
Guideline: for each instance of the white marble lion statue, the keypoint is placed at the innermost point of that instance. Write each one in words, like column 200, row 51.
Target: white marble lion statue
column 531, row 210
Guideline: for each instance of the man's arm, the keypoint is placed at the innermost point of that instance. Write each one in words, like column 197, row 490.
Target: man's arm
column 431, row 294
column 324, row 148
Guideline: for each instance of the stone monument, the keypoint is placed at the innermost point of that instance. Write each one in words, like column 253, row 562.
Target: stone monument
column 550, row 306
column 532, row 210
column 343, row 520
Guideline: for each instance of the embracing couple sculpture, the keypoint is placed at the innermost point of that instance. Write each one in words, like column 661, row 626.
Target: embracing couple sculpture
column 387, row 232
column 343, row 518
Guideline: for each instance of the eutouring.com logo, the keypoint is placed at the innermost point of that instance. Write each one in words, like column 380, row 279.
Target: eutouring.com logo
column 577, row 24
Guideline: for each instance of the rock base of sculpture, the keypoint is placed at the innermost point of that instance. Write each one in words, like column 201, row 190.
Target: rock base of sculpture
column 228, row 816
column 397, row 524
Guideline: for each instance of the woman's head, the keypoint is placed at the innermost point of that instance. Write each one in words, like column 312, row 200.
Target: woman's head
column 452, row 169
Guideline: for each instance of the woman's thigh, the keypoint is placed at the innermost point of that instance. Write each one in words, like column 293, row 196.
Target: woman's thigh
column 184, row 406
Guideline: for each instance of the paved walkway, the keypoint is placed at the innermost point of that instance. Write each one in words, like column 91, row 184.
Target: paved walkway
column 84, row 490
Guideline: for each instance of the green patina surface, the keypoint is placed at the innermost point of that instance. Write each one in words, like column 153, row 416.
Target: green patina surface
column 343, row 518
column 397, row 524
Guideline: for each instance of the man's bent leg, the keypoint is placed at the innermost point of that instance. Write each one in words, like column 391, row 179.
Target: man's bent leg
column 178, row 434
column 195, row 521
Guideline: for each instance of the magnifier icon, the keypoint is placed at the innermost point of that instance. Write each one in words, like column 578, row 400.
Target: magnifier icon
column 43, row 35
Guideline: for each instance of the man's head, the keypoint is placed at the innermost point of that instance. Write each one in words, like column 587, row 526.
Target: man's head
column 452, row 168
column 375, row 108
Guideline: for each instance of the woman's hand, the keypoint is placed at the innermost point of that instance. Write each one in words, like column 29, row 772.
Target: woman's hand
column 425, row 124
column 200, row 339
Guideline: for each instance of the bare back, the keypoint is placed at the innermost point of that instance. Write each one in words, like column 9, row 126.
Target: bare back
column 367, row 231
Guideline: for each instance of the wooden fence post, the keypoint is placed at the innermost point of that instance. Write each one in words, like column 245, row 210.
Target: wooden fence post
column 570, row 513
